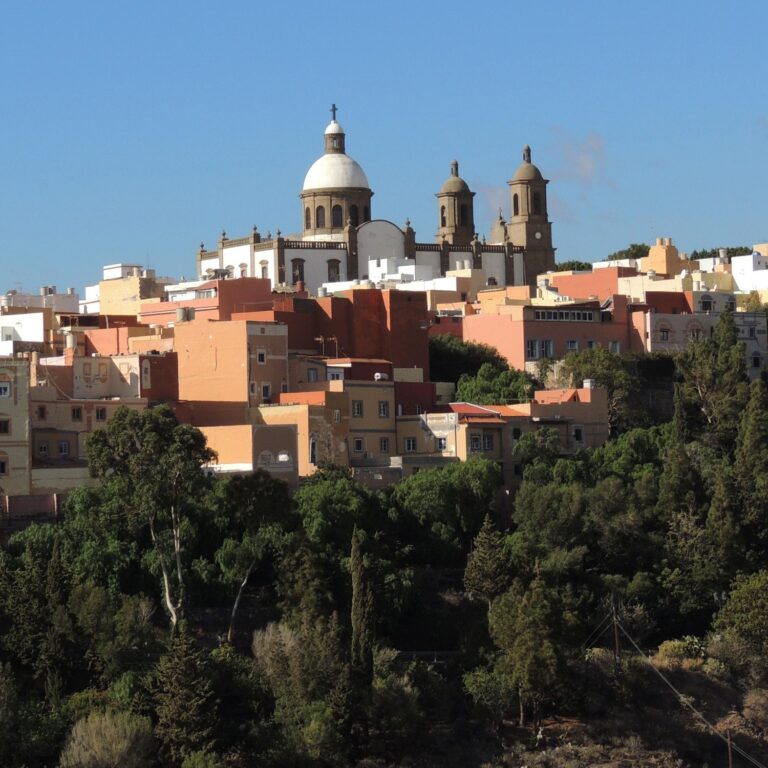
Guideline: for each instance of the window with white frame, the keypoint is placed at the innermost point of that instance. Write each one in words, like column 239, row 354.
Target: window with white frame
column 614, row 347
column 410, row 444
column 383, row 445
column 63, row 447
column 5, row 388
column 261, row 356
column 383, row 409
column 357, row 445
column 573, row 345
column 442, row 443
column 487, row 442
column 266, row 391
column 475, row 443
column 547, row 348
column 532, row 349
column 357, row 409
column 311, row 374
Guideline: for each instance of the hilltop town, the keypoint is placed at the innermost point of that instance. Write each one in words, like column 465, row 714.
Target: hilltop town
column 353, row 496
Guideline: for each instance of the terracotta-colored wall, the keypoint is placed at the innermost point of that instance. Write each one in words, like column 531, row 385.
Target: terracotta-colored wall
column 503, row 332
column 410, row 394
column 447, row 325
column 668, row 302
column 602, row 283
column 164, row 377
column 407, row 319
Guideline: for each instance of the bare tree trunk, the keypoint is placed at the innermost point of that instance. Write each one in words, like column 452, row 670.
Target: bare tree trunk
column 177, row 552
column 166, row 579
column 522, row 708
column 231, row 630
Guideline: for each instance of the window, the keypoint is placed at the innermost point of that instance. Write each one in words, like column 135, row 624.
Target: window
column 706, row 304
column 63, row 447
column 419, row 409
column 442, row 216
column 264, row 270
column 664, row 334
column 383, row 445
column 337, row 219
column 333, row 270
column 77, row 413
column 266, row 391
column 319, row 216
column 336, row 415
column 42, row 449
column 591, row 344
column 311, row 374
column 532, row 349
column 5, row 426
column 615, row 347
column 307, row 218
column 474, row 443
column 252, row 387
column 357, row 445
column 578, row 434
column 573, row 345
column 442, row 444
column 756, row 360
column 383, row 409
column 357, row 409
column 536, row 203
column 261, row 356
column 487, row 442
column 313, row 450
column 5, row 388
column 41, row 412
column 284, row 386
column 516, row 433
column 101, row 414
column 334, row 376
column 354, row 215
column 463, row 217
column 366, row 213
column 752, row 331
column 547, row 348
column 3, row 466
column 410, row 444
column 297, row 270
column 515, row 205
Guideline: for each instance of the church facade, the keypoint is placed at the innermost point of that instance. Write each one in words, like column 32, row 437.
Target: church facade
column 341, row 242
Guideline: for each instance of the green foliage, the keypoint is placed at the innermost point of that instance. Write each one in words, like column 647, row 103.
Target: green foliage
column 745, row 613
column 714, row 253
column 363, row 615
column 573, row 265
column 108, row 739
column 488, row 572
column 202, row 760
column 492, row 689
column 494, row 385
column 634, row 251
column 184, row 701
column 450, row 358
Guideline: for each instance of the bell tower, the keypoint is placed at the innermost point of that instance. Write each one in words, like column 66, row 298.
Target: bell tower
column 455, row 210
column 529, row 224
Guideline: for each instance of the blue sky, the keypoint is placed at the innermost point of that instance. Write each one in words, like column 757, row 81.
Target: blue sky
column 134, row 131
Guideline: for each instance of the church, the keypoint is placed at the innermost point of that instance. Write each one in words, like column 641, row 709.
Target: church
column 341, row 244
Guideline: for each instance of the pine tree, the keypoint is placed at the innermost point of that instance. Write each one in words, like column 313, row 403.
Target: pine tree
column 363, row 615
column 488, row 573
column 184, row 701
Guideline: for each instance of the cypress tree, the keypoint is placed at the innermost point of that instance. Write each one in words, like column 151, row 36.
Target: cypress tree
column 488, row 574
column 363, row 616
column 185, row 705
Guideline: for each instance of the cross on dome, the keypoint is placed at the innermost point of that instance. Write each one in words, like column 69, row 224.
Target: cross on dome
column 334, row 110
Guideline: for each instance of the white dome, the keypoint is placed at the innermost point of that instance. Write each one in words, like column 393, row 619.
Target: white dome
column 333, row 127
column 335, row 171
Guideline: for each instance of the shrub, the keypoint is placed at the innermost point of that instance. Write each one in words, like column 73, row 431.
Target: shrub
column 755, row 708
column 106, row 739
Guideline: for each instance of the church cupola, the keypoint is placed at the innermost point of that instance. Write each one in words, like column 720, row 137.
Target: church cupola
column 455, row 210
column 335, row 190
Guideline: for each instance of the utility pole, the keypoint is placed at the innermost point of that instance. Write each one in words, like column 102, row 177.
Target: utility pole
column 616, row 644
column 730, row 750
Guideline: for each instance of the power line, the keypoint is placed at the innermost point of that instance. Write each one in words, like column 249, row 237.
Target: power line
column 686, row 702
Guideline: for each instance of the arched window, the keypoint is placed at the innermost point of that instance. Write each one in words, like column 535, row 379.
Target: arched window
column 265, row 268
column 442, row 216
column 333, row 270
column 515, row 205
column 463, row 218
column 336, row 216
column 307, row 219
column 366, row 213
column 319, row 216
column 536, row 203
column 354, row 216
column 297, row 270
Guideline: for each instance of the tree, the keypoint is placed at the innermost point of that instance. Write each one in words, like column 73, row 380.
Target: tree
column 450, row 358
column 363, row 615
column 184, row 701
column 155, row 465
column 9, row 716
column 522, row 627
column 109, row 739
column 714, row 389
column 488, row 571
column 573, row 266
column 495, row 386
column 260, row 507
column 714, row 253
column 609, row 371
column 634, row 251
